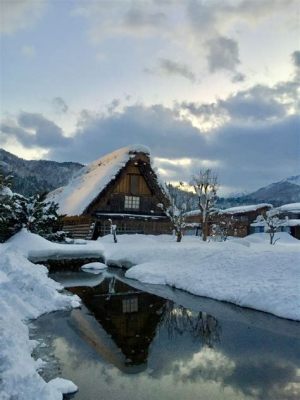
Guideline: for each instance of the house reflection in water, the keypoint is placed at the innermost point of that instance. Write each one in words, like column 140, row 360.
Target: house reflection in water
column 128, row 315
column 128, row 320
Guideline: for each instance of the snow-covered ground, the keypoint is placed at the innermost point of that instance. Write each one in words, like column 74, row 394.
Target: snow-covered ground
column 26, row 292
column 248, row 272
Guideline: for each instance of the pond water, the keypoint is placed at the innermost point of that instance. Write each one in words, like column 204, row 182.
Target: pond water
column 144, row 342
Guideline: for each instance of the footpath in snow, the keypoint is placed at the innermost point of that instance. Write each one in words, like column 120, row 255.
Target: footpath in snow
column 248, row 272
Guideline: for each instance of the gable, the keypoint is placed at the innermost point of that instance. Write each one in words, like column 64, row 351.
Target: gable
column 136, row 179
column 97, row 179
column 132, row 182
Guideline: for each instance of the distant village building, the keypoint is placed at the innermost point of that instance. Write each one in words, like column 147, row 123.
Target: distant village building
column 237, row 220
column 290, row 215
column 120, row 188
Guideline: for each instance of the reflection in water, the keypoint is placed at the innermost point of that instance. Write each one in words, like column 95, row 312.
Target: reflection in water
column 132, row 318
column 200, row 325
column 129, row 344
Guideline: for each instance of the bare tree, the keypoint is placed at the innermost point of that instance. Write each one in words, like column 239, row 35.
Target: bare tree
column 177, row 208
column 271, row 223
column 205, row 184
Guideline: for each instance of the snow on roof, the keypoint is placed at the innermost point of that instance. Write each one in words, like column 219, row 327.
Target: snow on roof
column 284, row 222
column 91, row 180
column 233, row 210
column 243, row 209
column 193, row 213
column 292, row 207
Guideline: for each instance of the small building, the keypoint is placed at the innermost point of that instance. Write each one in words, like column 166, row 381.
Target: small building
column 290, row 215
column 120, row 188
column 237, row 220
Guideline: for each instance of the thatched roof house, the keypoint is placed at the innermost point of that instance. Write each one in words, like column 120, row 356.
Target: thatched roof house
column 121, row 186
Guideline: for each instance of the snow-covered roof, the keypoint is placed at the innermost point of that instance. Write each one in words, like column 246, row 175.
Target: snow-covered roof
column 283, row 222
column 193, row 213
column 91, row 180
column 233, row 210
column 244, row 209
column 292, row 207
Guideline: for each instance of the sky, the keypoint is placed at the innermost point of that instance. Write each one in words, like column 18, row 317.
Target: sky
column 203, row 83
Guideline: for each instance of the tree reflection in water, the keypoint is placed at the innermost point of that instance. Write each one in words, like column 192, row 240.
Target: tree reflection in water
column 199, row 325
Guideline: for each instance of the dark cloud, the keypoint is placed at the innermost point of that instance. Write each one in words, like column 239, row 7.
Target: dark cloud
column 138, row 16
column 238, row 77
column 59, row 105
column 259, row 102
column 256, row 103
column 247, row 155
column 34, row 130
column 296, row 58
column 223, row 54
column 169, row 67
column 264, row 379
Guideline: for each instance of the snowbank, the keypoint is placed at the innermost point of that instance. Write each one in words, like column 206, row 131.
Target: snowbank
column 94, row 267
column 35, row 247
column 248, row 272
column 26, row 292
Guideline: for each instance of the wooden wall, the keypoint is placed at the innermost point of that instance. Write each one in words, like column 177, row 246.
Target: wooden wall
column 124, row 184
column 113, row 199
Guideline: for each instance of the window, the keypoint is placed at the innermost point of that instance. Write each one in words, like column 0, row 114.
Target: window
column 130, row 305
column 132, row 202
column 134, row 184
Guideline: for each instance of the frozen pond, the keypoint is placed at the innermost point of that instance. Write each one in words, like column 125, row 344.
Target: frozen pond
column 143, row 342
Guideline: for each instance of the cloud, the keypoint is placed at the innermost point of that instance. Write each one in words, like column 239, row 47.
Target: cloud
column 137, row 18
column 256, row 103
column 265, row 379
column 296, row 58
column 131, row 18
column 259, row 102
column 168, row 67
column 34, row 130
column 252, row 140
column 223, row 54
column 195, row 28
column 296, row 63
column 19, row 14
column 59, row 105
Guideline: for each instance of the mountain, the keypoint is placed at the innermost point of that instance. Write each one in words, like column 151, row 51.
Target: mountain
column 277, row 193
column 31, row 177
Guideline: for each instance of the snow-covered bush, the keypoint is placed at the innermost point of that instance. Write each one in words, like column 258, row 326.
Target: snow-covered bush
column 34, row 213
column 271, row 223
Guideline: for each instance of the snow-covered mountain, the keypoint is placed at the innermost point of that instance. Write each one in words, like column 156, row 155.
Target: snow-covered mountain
column 31, row 177
column 282, row 192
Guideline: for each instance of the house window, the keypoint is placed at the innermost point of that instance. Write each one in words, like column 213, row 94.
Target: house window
column 130, row 305
column 134, row 184
column 132, row 202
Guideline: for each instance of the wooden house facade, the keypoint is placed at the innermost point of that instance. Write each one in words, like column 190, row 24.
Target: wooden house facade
column 236, row 220
column 120, row 189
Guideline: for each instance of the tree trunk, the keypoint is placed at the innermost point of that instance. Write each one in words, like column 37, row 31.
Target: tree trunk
column 204, row 231
column 179, row 236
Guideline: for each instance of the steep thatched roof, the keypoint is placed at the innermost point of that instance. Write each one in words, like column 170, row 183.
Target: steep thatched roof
column 90, row 181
